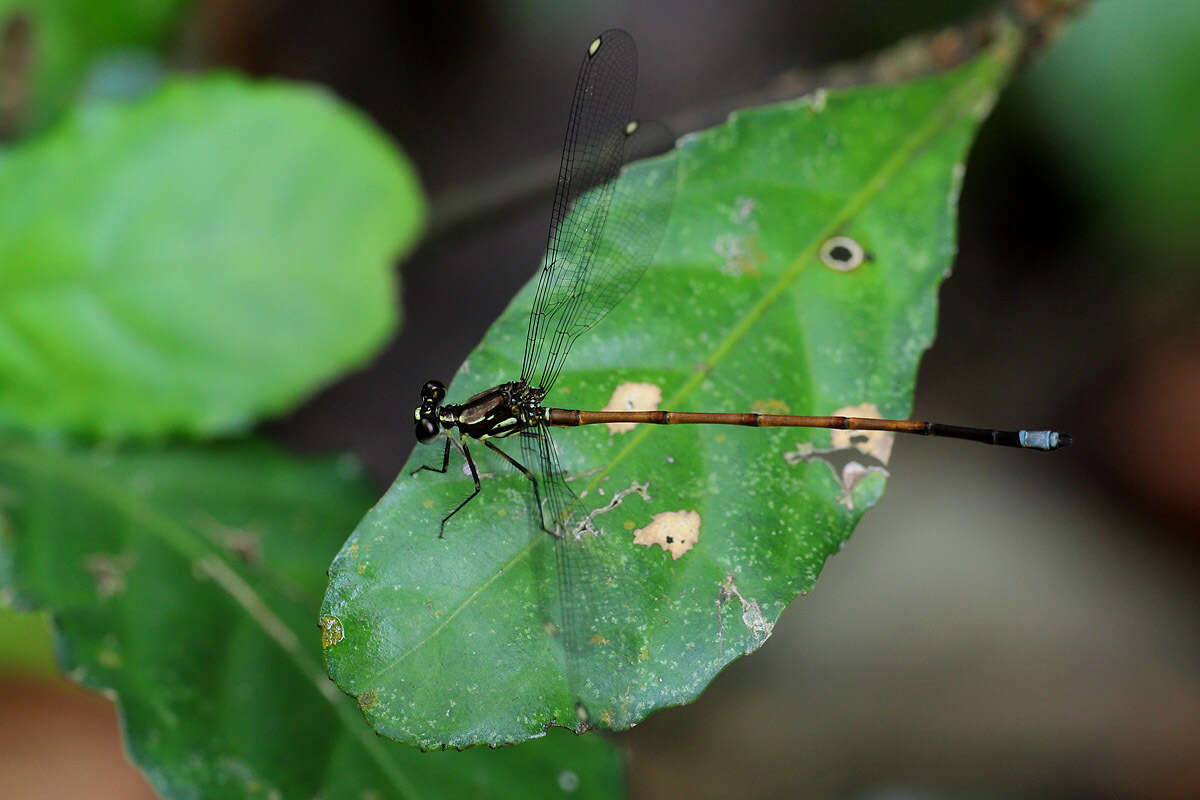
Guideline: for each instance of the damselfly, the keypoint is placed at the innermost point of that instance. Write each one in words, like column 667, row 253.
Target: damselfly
column 579, row 283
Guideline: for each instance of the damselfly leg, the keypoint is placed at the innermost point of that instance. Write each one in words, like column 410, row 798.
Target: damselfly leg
column 462, row 446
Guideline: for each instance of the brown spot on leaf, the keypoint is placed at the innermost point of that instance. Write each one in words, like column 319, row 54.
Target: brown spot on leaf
column 632, row 397
column 872, row 443
column 331, row 632
column 673, row 531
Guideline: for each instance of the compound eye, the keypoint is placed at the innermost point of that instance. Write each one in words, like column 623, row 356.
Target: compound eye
column 427, row 430
column 434, row 390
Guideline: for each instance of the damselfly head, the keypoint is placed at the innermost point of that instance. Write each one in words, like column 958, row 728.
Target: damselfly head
column 432, row 394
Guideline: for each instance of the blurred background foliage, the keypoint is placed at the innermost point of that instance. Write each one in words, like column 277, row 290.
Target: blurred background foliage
column 1117, row 101
column 167, row 259
column 999, row 624
column 51, row 47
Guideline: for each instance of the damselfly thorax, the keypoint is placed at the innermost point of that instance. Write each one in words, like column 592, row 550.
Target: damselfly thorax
column 494, row 413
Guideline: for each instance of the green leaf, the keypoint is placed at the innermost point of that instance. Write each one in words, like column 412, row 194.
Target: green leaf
column 196, row 260
column 63, row 37
column 457, row 640
column 187, row 581
column 26, row 643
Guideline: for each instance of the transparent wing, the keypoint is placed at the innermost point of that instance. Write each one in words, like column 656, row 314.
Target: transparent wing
column 640, row 199
column 600, row 626
column 573, row 569
column 571, row 294
column 605, row 227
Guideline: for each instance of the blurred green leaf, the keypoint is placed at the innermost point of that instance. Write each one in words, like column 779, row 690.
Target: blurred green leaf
column 187, row 581
column 456, row 640
column 122, row 76
column 196, row 260
column 26, row 642
column 1118, row 96
column 63, row 37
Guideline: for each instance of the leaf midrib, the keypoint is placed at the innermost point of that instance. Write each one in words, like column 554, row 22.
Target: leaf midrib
column 197, row 550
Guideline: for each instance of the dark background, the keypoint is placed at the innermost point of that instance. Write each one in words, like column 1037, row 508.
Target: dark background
column 1003, row 622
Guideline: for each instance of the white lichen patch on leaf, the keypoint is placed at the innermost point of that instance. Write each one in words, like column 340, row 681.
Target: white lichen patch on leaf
column 673, row 531
column 740, row 255
column 852, row 473
column 752, row 616
column 632, row 397
column 739, row 250
column 585, row 528
column 871, row 443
